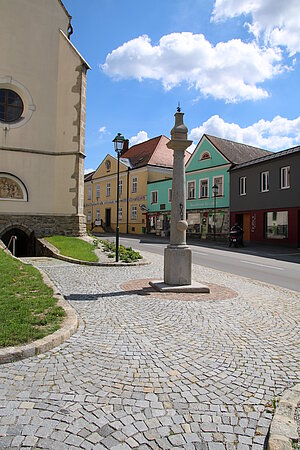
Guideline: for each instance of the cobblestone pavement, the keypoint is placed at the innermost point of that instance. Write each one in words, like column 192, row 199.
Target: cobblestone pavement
column 145, row 372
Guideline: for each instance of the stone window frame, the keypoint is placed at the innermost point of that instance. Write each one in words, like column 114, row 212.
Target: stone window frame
column 121, row 186
column 200, row 186
column 285, row 177
column 89, row 192
column 133, row 212
column 16, row 109
column 120, row 213
column 20, row 183
column 153, row 200
column 242, row 185
column 134, row 185
column 98, row 190
column 29, row 107
column 188, row 191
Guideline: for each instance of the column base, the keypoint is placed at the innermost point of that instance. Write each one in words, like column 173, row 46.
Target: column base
column 194, row 287
column 178, row 266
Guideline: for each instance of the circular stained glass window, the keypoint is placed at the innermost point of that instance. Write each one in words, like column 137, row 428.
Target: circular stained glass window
column 11, row 106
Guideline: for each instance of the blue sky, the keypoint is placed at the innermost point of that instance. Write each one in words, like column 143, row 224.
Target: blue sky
column 234, row 67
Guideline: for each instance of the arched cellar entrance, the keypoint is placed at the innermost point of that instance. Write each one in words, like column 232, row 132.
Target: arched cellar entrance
column 24, row 242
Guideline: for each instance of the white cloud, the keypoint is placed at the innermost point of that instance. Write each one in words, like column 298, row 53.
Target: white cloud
column 231, row 71
column 102, row 129
column 278, row 134
column 277, row 21
column 142, row 136
column 86, row 171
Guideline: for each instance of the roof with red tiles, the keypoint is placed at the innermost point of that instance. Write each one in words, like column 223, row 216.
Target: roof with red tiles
column 153, row 152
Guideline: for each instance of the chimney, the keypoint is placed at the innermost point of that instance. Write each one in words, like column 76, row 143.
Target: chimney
column 125, row 146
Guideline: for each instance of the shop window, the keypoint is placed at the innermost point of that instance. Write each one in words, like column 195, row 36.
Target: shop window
column 242, row 185
column 133, row 213
column 264, row 181
column 218, row 181
column 134, row 185
column 170, row 195
column 217, row 220
column 97, row 190
column 107, row 189
column 285, row 177
column 204, row 188
column 276, row 224
column 154, row 197
column 191, row 188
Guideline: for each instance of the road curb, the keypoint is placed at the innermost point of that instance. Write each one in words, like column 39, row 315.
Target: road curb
column 283, row 431
column 68, row 328
column 49, row 250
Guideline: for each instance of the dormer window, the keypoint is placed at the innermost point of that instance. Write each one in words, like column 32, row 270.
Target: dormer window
column 205, row 155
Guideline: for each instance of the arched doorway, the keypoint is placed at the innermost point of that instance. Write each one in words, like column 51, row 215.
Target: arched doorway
column 24, row 244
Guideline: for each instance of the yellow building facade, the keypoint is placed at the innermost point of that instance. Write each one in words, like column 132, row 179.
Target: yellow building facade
column 100, row 193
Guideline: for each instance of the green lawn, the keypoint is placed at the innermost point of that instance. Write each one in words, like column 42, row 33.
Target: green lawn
column 74, row 247
column 28, row 310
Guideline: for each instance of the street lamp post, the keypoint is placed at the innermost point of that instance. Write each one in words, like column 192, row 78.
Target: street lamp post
column 215, row 190
column 119, row 143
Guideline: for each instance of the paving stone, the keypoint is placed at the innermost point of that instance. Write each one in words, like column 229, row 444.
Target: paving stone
column 159, row 368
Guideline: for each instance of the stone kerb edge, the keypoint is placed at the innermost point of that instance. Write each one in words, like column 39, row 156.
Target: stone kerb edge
column 68, row 328
column 283, row 431
column 52, row 252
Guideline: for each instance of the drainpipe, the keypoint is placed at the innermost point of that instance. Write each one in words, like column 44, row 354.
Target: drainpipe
column 127, row 218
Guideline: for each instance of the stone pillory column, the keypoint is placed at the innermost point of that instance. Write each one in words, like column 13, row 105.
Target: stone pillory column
column 178, row 256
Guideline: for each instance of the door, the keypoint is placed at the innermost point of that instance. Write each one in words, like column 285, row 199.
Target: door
column 246, row 226
column 108, row 217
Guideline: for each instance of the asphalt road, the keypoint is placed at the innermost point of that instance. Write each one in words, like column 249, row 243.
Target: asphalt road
column 273, row 267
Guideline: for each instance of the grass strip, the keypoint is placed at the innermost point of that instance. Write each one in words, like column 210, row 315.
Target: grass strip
column 28, row 310
column 74, row 247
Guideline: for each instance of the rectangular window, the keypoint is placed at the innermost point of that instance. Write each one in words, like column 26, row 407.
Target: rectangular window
column 89, row 216
column 120, row 187
column 97, row 190
column 134, row 185
column 191, row 188
column 285, row 177
column 120, row 213
column 133, row 213
column 170, row 195
column 276, row 225
column 204, row 188
column 89, row 193
column 218, row 182
column 153, row 197
column 242, row 185
column 108, row 189
column 264, row 181
column 97, row 214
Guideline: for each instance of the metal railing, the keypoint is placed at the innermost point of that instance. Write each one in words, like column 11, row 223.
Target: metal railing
column 13, row 240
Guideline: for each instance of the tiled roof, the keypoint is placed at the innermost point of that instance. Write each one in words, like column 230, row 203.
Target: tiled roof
column 235, row 152
column 153, row 152
column 271, row 156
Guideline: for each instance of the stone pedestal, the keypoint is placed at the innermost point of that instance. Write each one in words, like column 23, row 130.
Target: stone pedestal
column 177, row 265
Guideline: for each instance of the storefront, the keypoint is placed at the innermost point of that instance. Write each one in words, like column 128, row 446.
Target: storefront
column 205, row 223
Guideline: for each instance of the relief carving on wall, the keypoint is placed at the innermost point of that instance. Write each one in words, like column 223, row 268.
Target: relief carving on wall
column 10, row 189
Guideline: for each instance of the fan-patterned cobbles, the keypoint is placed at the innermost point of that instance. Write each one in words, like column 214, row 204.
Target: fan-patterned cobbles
column 149, row 372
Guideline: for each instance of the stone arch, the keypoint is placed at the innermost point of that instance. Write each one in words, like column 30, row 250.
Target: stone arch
column 12, row 188
column 25, row 243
